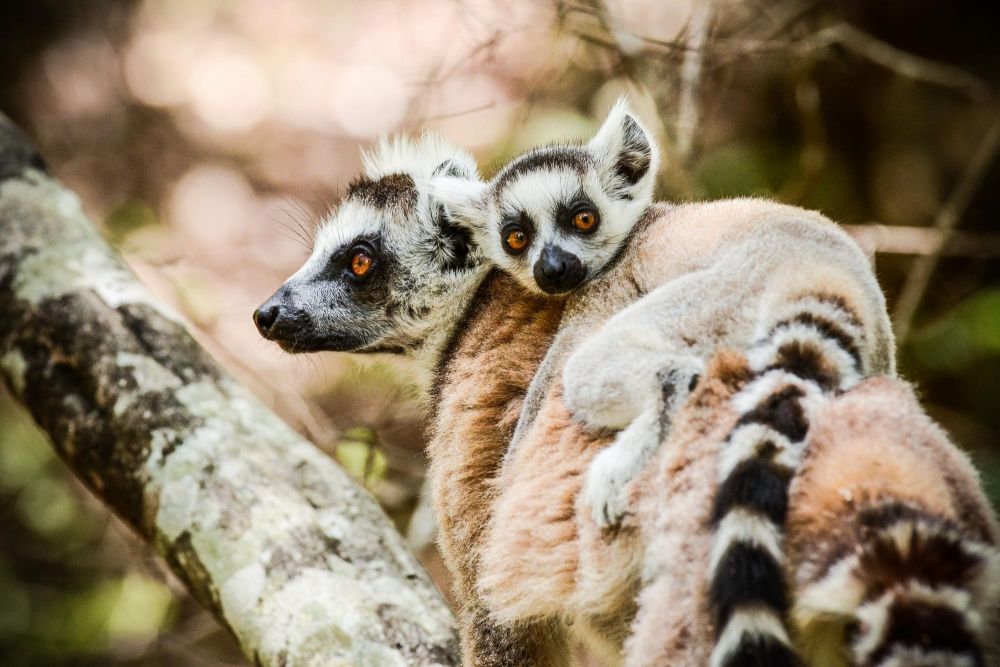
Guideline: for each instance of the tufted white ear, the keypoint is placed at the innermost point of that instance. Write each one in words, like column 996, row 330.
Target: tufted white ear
column 457, row 167
column 627, row 155
column 464, row 198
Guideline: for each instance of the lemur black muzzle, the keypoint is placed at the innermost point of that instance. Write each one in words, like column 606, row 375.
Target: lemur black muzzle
column 294, row 330
column 277, row 320
column 558, row 271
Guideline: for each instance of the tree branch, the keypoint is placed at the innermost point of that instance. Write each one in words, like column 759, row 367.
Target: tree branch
column 267, row 532
column 687, row 114
column 895, row 60
column 947, row 218
column 908, row 240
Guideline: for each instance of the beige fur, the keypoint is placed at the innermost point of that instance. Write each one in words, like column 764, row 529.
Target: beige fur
column 531, row 568
column 672, row 626
column 527, row 569
column 489, row 367
column 873, row 443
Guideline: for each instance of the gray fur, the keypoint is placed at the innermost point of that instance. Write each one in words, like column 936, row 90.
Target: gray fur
column 613, row 378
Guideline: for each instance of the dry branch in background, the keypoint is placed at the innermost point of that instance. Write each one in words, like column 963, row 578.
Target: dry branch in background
column 266, row 531
column 895, row 60
column 944, row 223
column 687, row 115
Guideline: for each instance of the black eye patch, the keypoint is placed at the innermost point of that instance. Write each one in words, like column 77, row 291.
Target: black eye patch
column 567, row 211
column 519, row 219
column 516, row 232
column 338, row 266
column 457, row 240
column 371, row 291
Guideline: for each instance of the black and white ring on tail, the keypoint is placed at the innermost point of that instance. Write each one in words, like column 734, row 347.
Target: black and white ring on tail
column 809, row 348
column 914, row 591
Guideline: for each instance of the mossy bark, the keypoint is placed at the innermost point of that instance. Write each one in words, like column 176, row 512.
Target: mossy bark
column 290, row 554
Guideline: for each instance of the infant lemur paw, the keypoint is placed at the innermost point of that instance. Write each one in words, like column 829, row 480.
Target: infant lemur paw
column 677, row 381
column 610, row 380
column 615, row 466
column 618, row 464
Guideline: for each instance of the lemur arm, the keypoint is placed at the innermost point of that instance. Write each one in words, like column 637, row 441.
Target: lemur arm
column 537, row 390
column 630, row 377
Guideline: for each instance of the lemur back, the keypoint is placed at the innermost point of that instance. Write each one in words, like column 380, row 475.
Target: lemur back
column 891, row 543
column 548, row 209
column 556, row 218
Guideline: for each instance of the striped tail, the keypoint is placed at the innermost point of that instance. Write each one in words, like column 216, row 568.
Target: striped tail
column 913, row 592
column 811, row 348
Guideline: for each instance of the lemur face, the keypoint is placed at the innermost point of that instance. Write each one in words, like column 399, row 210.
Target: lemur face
column 556, row 216
column 382, row 263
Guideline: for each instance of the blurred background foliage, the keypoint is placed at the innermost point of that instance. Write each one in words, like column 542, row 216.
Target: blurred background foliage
column 206, row 137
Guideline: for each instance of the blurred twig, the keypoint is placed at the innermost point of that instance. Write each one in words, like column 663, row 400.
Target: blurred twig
column 945, row 222
column 920, row 241
column 687, row 110
column 724, row 50
column 894, row 59
column 460, row 112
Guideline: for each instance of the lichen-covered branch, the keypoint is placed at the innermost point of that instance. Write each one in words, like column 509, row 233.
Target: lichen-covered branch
column 298, row 561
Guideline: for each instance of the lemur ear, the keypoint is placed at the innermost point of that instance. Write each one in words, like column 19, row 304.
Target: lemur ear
column 453, row 168
column 456, row 195
column 626, row 152
column 464, row 198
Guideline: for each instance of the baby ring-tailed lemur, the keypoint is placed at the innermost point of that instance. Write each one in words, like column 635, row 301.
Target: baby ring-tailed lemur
column 390, row 272
column 557, row 216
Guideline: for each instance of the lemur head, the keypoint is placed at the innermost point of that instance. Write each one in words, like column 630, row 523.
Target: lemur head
column 388, row 267
column 556, row 216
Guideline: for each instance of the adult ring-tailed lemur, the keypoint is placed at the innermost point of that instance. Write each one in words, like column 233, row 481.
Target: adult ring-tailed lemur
column 392, row 271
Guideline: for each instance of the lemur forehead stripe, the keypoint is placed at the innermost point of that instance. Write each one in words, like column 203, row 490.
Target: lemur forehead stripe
column 392, row 190
column 548, row 157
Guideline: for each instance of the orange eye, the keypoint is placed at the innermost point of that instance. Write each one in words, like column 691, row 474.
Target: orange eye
column 516, row 240
column 361, row 263
column 585, row 220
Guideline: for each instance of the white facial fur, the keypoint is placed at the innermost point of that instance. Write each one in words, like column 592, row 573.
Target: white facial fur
column 614, row 174
column 424, row 269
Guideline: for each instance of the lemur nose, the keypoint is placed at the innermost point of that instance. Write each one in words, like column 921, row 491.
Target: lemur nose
column 553, row 269
column 265, row 317
column 558, row 271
